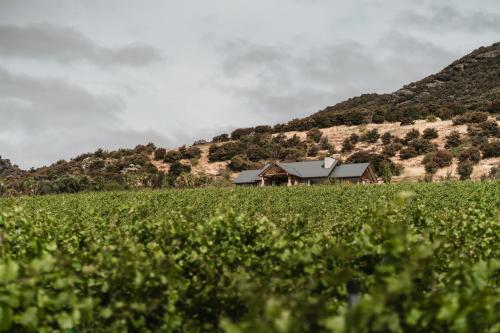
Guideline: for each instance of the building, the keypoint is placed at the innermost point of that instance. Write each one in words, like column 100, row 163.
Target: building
column 307, row 172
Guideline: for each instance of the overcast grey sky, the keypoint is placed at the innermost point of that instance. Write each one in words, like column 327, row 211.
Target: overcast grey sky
column 79, row 75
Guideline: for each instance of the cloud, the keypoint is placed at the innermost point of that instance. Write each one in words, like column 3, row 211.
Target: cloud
column 45, row 119
column 283, row 81
column 65, row 45
column 447, row 18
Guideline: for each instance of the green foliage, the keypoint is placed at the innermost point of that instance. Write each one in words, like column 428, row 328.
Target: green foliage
column 491, row 149
column 453, row 140
column 314, row 134
column 382, row 258
column 465, row 169
column 430, row 133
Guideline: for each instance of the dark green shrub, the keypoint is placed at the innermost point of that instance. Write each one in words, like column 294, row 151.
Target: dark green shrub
column 324, row 144
column 172, row 156
column 471, row 154
column 314, row 134
column 407, row 153
column 354, row 138
column 491, row 149
column 370, row 136
column 430, row 133
column 453, row 140
column 412, row 135
column 160, row 154
column 220, row 138
column 465, row 169
column 347, row 145
column 178, row 168
column 312, row 151
column 386, row 138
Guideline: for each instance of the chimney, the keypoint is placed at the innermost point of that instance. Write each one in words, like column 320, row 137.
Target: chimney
column 329, row 162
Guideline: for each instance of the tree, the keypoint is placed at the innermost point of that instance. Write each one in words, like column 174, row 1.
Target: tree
column 177, row 168
column 240, row 162
column 370, row 136
column 412, row 135
column 172, row 156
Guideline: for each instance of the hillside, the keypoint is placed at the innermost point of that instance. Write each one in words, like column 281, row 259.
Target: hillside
column 443, row 126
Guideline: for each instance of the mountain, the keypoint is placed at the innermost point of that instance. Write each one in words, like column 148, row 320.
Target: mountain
column 445, row 125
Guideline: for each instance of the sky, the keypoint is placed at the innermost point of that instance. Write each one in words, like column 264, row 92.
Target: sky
column 76, row 76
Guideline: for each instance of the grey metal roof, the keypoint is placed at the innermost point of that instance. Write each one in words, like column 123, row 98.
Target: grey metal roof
column 247, row 176
column 349, row 170
column 307, row 169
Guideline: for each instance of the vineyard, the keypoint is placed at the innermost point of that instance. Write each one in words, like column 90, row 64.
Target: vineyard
column 421, row 257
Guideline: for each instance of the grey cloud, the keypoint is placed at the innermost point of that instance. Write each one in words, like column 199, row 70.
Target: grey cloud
column 447, row 18
column 45, row 119
column 283, row 81
column 64, row 44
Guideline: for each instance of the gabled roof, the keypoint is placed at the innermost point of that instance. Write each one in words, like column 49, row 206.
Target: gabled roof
column 350, row 170
column 247, row 177
column 308, row 169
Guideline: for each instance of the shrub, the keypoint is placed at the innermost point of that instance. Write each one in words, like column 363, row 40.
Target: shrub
column 431, row 119
column 377, row 160
column 192, row 152
column 314, row 134
column 386, row 138
column 160, row 154
column 465, row 169
column 491, row 149
column 494, row 107
column 239, row 132
column 224, row 152
column 178, row 168
column 445, row 113
column 370, row 136
column 240, row 162
column 324, row 144
column 407, row 153
column 489, row 128
column 200, row 142
column 354, row 138
column 390, row 150
column 430, row 133
column 292, row 154
column 347, row 145
column 431, row 167
column 172, row 156
column 221, row 138
column 471, row 154
column 442, row 158
column 494, row 172
column 405, row 121
column 470, row 117
column 312, row 151
column 412, row 135
column 453, row 140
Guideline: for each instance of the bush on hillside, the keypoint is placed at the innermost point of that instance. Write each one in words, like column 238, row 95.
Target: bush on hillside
column 491, row 149
column 347, row 145
column 324, row 144
column 430, row 133
column 465, row 169
column 453, row 140
column 470, row 117
column 172, row 156
column 377, row 160
column 407, row 153
column 160, row 154
column 412, row 135
column 224, row 152
column 220, row 138
column 314, row 134
column 370, row 136
column 386, row 138
column 471, row 154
